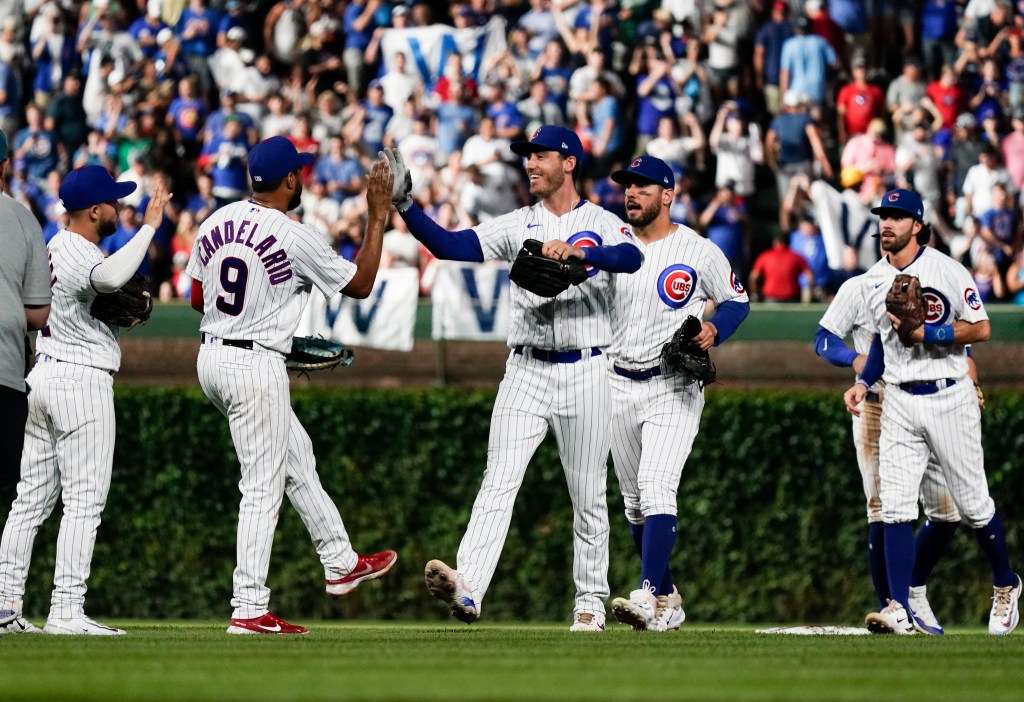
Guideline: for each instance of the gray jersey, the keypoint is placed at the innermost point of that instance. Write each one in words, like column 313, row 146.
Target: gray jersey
column 579, row 317
column 72, row 334
column 950, row 295
column 257, row 268
column 24, row 280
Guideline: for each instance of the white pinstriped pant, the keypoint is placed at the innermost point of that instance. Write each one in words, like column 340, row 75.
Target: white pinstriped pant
column 69, row 452
column 654, row 424
column 572, row 399
column 944, row 427
column 935, row 496
column 251, row 389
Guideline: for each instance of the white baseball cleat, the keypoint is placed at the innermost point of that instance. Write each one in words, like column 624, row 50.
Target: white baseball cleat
column 14, row 623
column 1005, row 613
column 921, row 614
column 670, row 614
column 79, row 626
column 588, row 621
column 639, row 610
column 447, row 584
column 891, row 620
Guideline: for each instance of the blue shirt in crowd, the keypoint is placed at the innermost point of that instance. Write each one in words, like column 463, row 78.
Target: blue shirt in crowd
column 354, row 38
column 453, row 123
column 204, row 43
column 807, row 59
column 938, row 20
column 812, row 248
column 791, row 132
column 327, row 170
column 771, row 37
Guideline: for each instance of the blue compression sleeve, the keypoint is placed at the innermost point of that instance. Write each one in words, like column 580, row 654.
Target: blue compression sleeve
column 621, row 258
column 830, row 347
column 875, row 365
column 727, row 318
column 462, row 245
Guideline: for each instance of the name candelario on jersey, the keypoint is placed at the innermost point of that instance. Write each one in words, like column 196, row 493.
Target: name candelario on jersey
column 279, row 268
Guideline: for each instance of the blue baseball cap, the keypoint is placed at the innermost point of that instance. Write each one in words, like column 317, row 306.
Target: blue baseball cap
column 90, row 185
column 274, row 158
column 902, row 201
column 551, row 138
column 647, row 170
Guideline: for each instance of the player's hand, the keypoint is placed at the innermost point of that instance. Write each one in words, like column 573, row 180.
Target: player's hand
column 401, row 193
column 854, row 397
column 916, row 336
column 158, row 200
column 379, row 187
column 706, row 339
column 561, row 250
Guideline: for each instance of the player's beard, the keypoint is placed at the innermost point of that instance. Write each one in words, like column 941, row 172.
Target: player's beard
column 547, row 184
column 296, row 198
column 898, row 242
column 645, row 216
column 106, row 227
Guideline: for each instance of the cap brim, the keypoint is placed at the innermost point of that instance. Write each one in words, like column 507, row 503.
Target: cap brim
column 525, row 148
column 306, row 159
column 124, row 189
column 626, row 177
column 895, row 210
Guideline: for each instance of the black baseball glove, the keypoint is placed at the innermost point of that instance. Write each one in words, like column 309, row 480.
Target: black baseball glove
column 128, row 307
column 311, row 353
column 545, row 276
column 691, row 364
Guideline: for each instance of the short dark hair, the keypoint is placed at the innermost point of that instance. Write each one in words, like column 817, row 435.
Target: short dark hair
column 263, row 186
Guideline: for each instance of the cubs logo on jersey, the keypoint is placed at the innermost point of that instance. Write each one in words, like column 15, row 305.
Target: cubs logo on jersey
column 735, row 283
column 676, row 285
column 584, row 240
column 972, row 299
column 936, row 306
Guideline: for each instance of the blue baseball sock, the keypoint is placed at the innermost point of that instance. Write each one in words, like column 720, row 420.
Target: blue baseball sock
column 932, row 541
column 637, row 530
column 659, row 538
column 876, row 562
column 992, row 540
column 899, row 560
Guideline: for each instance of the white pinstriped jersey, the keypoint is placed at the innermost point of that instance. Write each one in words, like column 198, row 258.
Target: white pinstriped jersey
column 72, row 334
column 578, row 317
column 679, row 274
column 949, row 294
column 257, row 268
column 847, row 314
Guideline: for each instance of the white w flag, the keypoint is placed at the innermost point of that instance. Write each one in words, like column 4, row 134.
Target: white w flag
column 427, row 48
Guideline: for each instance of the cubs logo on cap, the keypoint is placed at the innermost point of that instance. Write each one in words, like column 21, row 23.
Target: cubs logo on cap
column 646, row 170
column 548, row 137
column 900, row 202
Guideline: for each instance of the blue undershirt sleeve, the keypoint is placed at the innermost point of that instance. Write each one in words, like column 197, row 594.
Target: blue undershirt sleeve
column 875, row 365
column 621, row 258
column 830, row 347
column 727, row 318
column 462, row 245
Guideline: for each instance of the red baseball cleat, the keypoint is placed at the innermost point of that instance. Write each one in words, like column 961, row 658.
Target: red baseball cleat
column 367, row 568
column 267, row 624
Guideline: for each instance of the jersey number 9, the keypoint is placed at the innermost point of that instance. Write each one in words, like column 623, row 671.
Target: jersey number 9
column 234, row 274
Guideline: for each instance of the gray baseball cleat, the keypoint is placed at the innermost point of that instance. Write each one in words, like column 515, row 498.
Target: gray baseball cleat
column 14, row 623
column 894, row 619
column 79, row 626
column 1005, row 613
column 447, row 584
column 588, row 621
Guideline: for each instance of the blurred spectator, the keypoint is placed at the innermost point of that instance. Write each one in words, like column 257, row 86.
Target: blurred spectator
column 229, row 108
column 939, row 22
column 145, row 29
column 400, row 249
column 398, row 85
column 278, row 120
column 537, row 109
column 991, row 96
column 825, row 27
column 540, row 27
column 947, row 96
column 235, row 15
column 456, row 121
column 999, row 228
column 987, row 279
column 905, row 93
column 52, row 51
column 858, row 102
column 609, row 195
column 806, row 241
column 776, row 274
column 655, row 92
column 581, row 84
column 187, row 115
column 10, row 98
column 768, row 55
column 283, row 29
column 454, row 72
column 737, row 147
column 226, row 64
column 1013, row 150
column 725, row 222
column 722, row 37
column 805, row 60
column 225, row 158
column 606, row 125
column 341, row 173
column 793, row 144
column 918, row 161
column 508, row 122
column 97, row 151
column 322, row 212
column 36, row 150
column 680, row 152
column 128, row 223
column 551, row 68
column 991, row 128
column 202, row 204
column 491, row 156
column 197, row 28
column 375, row 118
column 180, row 285
column 138, row 173
column 964, row 153
column 870, row 154
column 329, row 119
column 359, row 25
column 981, row 179
column 1015, row 279
column 851, row 16
column 684, row 209
column 422, row 155
column 65, row 116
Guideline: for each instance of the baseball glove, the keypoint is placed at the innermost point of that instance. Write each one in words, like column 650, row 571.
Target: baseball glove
column 128, row 307
column 311, row 353
column 691, row 364
column 905, row 301
column 545, row 276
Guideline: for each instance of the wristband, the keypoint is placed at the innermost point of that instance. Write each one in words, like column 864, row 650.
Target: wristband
column 938, row 335
column 861, row 381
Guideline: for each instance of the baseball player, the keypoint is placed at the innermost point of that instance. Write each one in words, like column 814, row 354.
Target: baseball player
column 846, row 315
column 655, row 416
column 69, row 438
column 555, row 374
column 253, row 270
column 929, row 409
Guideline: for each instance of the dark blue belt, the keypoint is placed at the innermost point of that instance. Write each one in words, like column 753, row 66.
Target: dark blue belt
column 557, row 356
column 642, row 374
column 237, row 343
column 929, row 388
column 872, row 396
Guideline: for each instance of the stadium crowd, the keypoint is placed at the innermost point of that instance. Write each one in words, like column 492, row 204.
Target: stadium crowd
column 750, row 101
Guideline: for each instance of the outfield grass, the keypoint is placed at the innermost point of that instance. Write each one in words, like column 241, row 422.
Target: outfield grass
column 373, row 661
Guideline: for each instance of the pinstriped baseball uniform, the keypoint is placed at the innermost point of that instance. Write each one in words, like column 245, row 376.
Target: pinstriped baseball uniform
column 945, row 424
column 847, row 315
column 570, row 398
column 655, row 421
column 258, row 268
column 69, row 438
